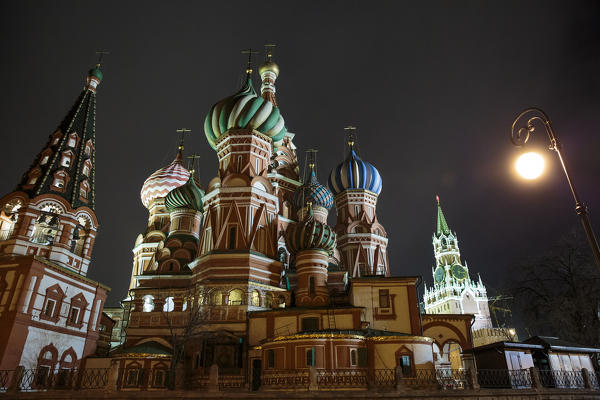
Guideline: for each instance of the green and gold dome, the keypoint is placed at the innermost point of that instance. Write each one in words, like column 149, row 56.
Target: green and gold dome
column 310, row 234
column 245, row 110
column 187, row 196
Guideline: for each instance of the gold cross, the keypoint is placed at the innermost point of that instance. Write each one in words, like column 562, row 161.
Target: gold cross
column 350, row 134
column 269, row 50
column 249, row 51
column 182, row 132
column 101, row 54
column 192, row 158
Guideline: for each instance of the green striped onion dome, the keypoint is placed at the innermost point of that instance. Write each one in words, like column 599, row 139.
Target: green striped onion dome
column 310, row 234
column 188, row 196
column 245, row 109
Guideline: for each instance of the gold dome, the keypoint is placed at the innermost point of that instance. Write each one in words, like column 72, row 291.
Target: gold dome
column 269, row 66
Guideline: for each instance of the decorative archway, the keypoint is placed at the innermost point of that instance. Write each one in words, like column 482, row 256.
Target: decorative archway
column 68, row 360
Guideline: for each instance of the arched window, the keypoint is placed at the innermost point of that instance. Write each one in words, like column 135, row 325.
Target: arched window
column 148, row 303
column 216, row 298
column 87, row 166
column 68, row 359
column 47, row 360
column 52, row 303
column 256, row 298
column 269, row 300
column 66, row 159
column 73, row 139
column 169, row 304
column 88, row 148
column 236, row 297
column 76, row 311
column 61, row 178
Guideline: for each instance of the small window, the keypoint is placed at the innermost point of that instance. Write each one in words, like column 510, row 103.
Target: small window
column 59, row 183
column 270, row 358
column 169, row 304
column 45, row 160
column 159, row 378
column 239, row 164
column 384, row 298
column 310, row 324
column 74, row 317
column 32, row 180
column 232, row 235
column 132, row 377
column 257, row 162
column 71, row 142
column 86, row 170
column 49, row 310
column 83, row 193
column 353, row 357
column 406, row 365
column 255, row 298
column 66, row 161
column 310, row 357
column 311, row 286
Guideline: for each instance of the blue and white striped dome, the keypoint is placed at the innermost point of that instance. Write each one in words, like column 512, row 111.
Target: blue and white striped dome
column 314, row 192
column 355, row 173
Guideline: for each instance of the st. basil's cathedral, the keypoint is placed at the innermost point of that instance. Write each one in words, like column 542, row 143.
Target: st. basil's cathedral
column 243, row 273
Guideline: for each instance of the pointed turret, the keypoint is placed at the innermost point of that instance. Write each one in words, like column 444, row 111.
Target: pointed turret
column 66, row 165
column 50, row 214
column 442, row 225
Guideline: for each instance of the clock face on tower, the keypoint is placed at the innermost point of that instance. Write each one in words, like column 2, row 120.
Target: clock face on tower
column 439, row 274
column 459, row 272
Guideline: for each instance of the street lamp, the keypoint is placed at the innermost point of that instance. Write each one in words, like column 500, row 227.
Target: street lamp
column 520, row 136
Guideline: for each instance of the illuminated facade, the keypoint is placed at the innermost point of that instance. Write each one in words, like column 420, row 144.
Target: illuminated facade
column 250, row 274
column 454, row 292
column 49, row 310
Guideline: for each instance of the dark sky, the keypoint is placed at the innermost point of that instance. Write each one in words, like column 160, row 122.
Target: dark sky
column 433, row 88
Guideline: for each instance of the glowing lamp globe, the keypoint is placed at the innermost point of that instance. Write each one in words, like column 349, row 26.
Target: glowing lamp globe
column 530, row 165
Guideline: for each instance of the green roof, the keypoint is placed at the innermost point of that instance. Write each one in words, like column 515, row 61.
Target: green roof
column 442, row 225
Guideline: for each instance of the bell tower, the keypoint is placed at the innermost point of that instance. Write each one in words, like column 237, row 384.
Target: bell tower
column 51, row 212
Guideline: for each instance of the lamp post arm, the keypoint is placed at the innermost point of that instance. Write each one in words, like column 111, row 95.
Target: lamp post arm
column 520, row 136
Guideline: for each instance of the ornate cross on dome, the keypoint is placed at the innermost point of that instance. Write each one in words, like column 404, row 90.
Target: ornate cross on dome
column 192, row 162
column 182, row 132
column 269, row 50
column 350, row 135
column 101, row 54
column 249, row 51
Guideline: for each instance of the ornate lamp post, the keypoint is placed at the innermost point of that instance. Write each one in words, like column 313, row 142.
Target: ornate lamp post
column 520, row 135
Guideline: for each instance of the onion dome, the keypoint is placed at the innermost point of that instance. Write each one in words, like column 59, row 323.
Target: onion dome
column 96, row 72
column 355, row 173
column 186, row 196
column 161, row 182
column 310, row 234
column 313, row 192
column 245, row 109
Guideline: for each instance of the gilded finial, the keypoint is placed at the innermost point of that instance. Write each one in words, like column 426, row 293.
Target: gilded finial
column 191, row 163
column 249, row 51
column 101, row 54
column 350, row 135
column 182, row 132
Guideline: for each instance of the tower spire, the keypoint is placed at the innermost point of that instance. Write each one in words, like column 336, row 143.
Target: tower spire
column 66, row 165
column 442, row 225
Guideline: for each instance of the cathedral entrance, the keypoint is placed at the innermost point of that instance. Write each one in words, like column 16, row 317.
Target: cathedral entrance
column 224, row 351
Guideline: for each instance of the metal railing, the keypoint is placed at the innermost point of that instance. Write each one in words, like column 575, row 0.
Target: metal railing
column 342, row 378
column 437, row 379
column 503, row 378
column 43, row 379
column 286, row 379
column 565, row 379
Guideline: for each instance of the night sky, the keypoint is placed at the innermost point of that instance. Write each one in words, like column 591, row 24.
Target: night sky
column 433, row 88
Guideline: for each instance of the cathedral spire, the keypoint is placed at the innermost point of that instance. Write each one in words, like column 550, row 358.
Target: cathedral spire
column 442, row 225
column 66, row 165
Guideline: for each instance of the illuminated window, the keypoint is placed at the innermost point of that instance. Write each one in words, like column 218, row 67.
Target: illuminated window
column 255, row 298
column 236, row 297
column 169, row 304
column 217, row 298
column 310, row 357
column 148, row 305
column 353, row 357
column 45, row 160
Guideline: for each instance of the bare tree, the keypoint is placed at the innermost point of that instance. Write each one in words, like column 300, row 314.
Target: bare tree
column 181, row 324
column 558, row 294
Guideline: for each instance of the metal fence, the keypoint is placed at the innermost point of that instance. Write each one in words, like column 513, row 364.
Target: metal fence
column 286, row 379
column 341, row 378
column 504, row 379
column 565, row 379
column 437, row 379
column 43, row 379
